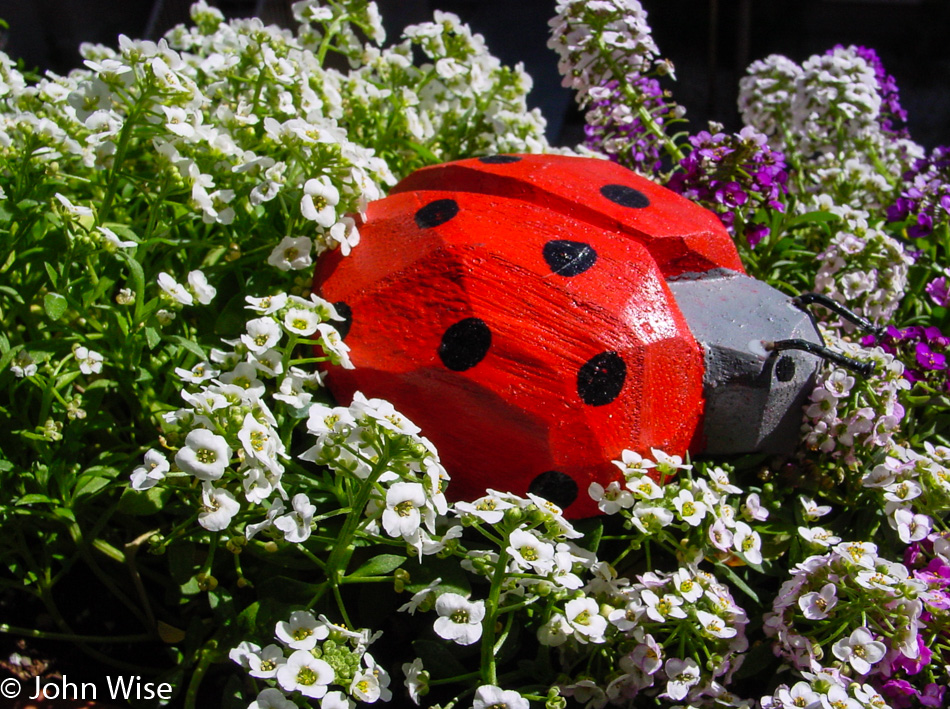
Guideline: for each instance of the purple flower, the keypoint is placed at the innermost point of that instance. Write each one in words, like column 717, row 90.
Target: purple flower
column 928, row 359
column 891, row 109
column 899, row 693
column 938, row 291
column 614, row 128
column 754, row 233
column 933, row 695
column 925, row 199
column 734, row 176
column 912, row 667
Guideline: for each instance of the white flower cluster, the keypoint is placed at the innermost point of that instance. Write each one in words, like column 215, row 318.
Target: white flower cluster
column 862, row 267
column 699, row 508
column 848, row 418
column 826, row 687
column 459, row 101
column 594, row 37
column 914, row 489
column 811, row 103
column 312, row 655
column 408, row 501
column 228, row 413
column 643, row 617
column 828, row 113
column 825, row 591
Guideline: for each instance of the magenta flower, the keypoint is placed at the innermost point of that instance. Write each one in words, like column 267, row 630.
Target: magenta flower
column 928, row 359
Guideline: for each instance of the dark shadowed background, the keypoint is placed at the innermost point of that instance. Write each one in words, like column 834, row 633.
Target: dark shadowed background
column 710, row 42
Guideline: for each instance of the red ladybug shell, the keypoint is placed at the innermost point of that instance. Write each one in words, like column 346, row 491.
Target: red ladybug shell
column 516, row 309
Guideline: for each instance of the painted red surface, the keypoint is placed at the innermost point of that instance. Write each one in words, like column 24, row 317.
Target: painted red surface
column 517, row 311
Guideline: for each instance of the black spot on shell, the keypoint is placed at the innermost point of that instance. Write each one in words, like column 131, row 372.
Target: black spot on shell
column 625, row 196
column 601, row 378
column 465, row 344
column 499, row 159
column 785, row 369
column 435, row 213
column 345, row 312
column 555, row 486
column 569, row 258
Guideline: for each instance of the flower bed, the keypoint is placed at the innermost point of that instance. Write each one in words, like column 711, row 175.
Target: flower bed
column 166, row 437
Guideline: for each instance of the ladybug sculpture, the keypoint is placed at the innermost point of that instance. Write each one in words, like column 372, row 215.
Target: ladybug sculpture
column 538, row 314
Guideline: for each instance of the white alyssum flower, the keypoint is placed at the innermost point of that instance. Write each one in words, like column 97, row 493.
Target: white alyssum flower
column 112, row 240
column 417, row 679
column 690, row 510
column 748, row 543
column 910, row 526
column 406, row 508
column 175, row 290
column 812, row 509
column 261, row 443
column 682, row 675
column 333, row 345
column 460, row 620
column 528, row 551
column 488, row 696
column 610, row 499
column 816, row 605
column 372, row 683
column 305, row 674
column 72, row 209
column 292, row 254
column 659, row 608
column 264, row 663
column 218, row 508
column 90, row 361
column 301, row 321
column 860, row 650
column 345, row 233
column 301, row 631
column 318, row 201
column 296, row 525
column 819, row 536
column 271, row 698
column 151, row 472
column 583, row 616
column 490, row 508
column 261, row 335
column 23, row 365
column 714, row 625
column 200, row 288
column 205, row 455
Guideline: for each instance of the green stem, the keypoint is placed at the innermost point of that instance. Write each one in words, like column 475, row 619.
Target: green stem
column 206, row 656
column 71, row 637
column 488, row 669
column 125, row 136
column 342, row 552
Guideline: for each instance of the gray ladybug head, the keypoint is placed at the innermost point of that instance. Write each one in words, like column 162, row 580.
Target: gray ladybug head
column 759, row 347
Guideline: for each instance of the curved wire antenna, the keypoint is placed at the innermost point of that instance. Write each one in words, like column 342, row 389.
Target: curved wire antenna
column 805, row 299
column 865, row 369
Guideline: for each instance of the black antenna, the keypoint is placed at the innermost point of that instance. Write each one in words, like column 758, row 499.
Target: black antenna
column 806, row 299
column 865, row 369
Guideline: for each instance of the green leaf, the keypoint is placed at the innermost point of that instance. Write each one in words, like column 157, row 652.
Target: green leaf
column 55, row 305
column 141, row 503
column 438, row 659
column 33, row 499
column 89, row 484
column 379, row 565
column 51, row 272
column 8, row 356
column 152, row 337
column 191, row 346
column 738, row 581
